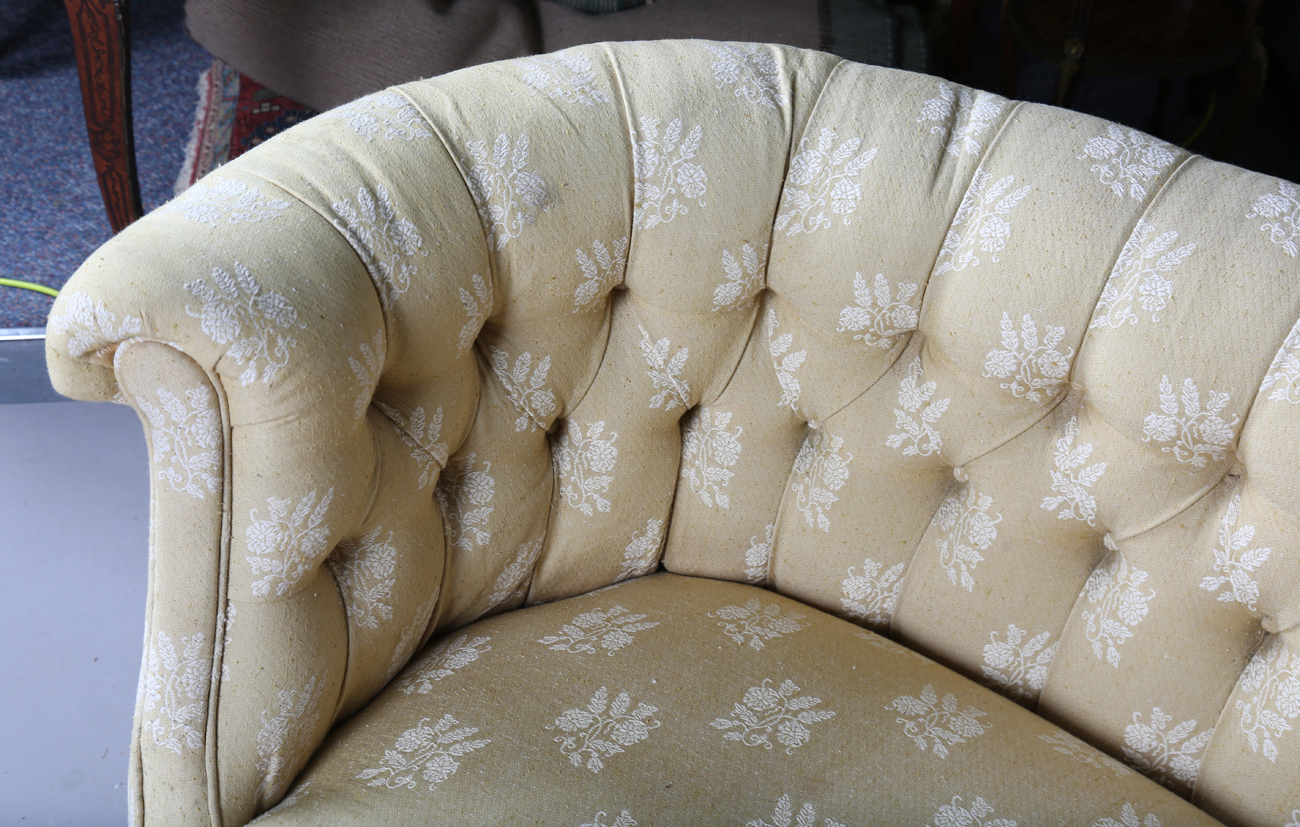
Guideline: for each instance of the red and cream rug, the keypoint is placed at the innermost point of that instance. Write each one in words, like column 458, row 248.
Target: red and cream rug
column 234, row 114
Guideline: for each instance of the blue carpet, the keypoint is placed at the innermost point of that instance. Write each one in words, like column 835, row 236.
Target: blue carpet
column 51, row 214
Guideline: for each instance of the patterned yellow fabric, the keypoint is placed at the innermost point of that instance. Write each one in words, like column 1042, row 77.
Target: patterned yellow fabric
column 678, row 700
column 1017, row 387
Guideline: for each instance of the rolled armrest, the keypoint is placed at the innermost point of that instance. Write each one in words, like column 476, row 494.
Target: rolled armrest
column 296, row 426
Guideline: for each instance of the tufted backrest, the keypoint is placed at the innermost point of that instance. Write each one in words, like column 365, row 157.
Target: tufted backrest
column 1015, row 386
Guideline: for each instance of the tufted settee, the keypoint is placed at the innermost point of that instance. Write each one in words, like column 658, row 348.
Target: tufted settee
column 725, row 434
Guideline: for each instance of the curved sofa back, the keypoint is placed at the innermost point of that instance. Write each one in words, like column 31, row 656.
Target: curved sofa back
column 1016, row 386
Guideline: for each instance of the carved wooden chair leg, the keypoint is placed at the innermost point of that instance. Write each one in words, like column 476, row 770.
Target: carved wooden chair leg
column 1008, row 53
column 1252, row 68
column 1162, row 103
column 961, row 32
column 1069, row 71
column 101, row 37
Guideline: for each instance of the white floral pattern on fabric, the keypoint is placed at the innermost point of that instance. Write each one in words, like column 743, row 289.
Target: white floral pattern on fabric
column 477, row 305
column 917, row 437
column 566, row 75
column 936, row 725
column 285, row 545
column 764, row 712
column 585, row 465
column 624, row 819
column 709, row 451
column 781, row 347
column 1169, row 756
column 979, row 226
column 759, row 555
column 1233, row 562
column 286, row 731
column 411, row 637
column 819, row 471
column 254, row 323
column 965, row 517
column 976, row 112
column 820, row 177
column 507, row 193
column 382, row 238
column 665, row 372
column 603, row 272
column 1196, row 434
column 879, row 319
column 1114, row 590
column 1066, row 744
column 1295, row 819
column 751, row 69
column 1071, row 479
column 744, row 279
column 1127, row 160
column 1283, row 207
column 1273, row 680
column 366, row 370
column 642, row 554
column 525, row 387
column 176, row 692
column 429, row 751
column 364, row 572
column 1018, row 666
column 512, row 583
column 465, row 494
column 186, row 439
column 610, row 629
column 783, row 815
column 1036, row 368
column 603, row 729
column 387, row 110
column 442, row 661
column 216, row 199
column 754, row 623
column 1142, row 273
column 423, row 435
column 1128, row 817
column 872, row 595
column 661, row 176
column 91, row 324
column 955, row 815
column 1283, row 379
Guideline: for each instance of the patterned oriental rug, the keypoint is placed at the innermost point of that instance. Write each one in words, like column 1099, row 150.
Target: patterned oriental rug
column 234, row 114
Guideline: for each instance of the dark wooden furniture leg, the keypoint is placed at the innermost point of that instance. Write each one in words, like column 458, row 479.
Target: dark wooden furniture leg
column 1162, row 103
column 1075, row 45
column 1008, row 53
column 1251, row 71
column 961, row 32
column 101, row 36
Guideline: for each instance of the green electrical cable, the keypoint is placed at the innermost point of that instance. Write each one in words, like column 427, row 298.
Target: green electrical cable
column 27, row 285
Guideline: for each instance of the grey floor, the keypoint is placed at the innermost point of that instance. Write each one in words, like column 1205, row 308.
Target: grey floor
column 74, row 512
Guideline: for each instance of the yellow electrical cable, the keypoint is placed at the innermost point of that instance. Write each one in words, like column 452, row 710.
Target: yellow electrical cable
column 27, row 285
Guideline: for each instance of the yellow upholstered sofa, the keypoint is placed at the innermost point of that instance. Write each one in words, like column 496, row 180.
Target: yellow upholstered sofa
column 691, row 433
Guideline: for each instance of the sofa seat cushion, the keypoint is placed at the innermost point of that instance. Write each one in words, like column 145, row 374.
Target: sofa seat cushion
column 676, row 700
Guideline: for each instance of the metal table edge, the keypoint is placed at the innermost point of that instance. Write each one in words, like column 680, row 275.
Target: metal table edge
column 23, row 377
